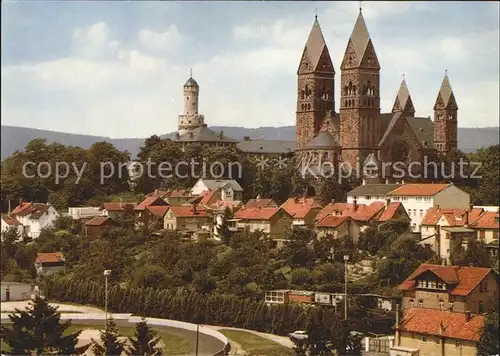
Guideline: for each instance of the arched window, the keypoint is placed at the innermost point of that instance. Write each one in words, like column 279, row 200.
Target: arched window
column 325, row 156
column 350, row 88
column 302, row 95
column 308, row 106
column 354, row 90
column 302, row 106
column 346, row 90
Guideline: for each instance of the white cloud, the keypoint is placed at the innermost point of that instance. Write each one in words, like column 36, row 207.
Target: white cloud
column 95, row 42
column 167, row 41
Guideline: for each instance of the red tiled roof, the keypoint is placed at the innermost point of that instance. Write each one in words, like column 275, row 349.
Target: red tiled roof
column 160, row 193
column 332, row 221
column 454, row 217
column 99, row 221
column 158, row 210
column 421, row 190
column 151, row 201
column 178, row 193
column 49, row 257
column 184, row 211
column 474, row 214
column 442, row 323
column 10, row 220
column 256, row 213
column 120, row 206
column 390, row 211
column 463, row 279
column 35, row 209
column 489, row 220
column 361, row 213
column 334, row 209
column 22, row 209
column 298, row 208
column 260, row 202
column 222, row 204
column 208, row 196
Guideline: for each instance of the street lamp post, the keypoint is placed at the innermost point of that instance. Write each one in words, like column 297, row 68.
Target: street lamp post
column 346, row 258
column 106, row 274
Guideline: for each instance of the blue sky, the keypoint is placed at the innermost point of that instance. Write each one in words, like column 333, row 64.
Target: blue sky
column 117, row 68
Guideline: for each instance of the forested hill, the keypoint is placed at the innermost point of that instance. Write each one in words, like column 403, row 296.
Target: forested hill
column 15, row 138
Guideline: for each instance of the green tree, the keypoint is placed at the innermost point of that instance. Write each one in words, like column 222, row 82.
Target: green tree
column 223, row 229
column 488, row 341
column 110, row 342
column 475, row 254
column 145, row 341
column 38, row 331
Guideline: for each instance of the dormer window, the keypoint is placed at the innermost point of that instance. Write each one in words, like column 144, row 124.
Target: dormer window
column 421, row 303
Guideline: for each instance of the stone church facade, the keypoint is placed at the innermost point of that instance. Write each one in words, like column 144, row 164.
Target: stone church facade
column 359, row 133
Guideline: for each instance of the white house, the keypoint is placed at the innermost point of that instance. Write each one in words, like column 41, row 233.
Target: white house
column 11, row 291
column 34, row 217
column 9, row 222
column 416, row 198
column 230, row 188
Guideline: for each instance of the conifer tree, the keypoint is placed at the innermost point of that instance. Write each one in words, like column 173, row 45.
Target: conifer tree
column 111, row 345
column 488, row 342
column 145, row 342
column 223, row 229
column 38, row 331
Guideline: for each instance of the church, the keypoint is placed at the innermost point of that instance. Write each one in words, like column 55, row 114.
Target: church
column 358, row 133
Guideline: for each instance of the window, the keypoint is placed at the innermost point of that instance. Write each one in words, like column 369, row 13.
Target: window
column 481, row 307
column 423, row 338
column 458, row 344
column 421, row 213
column 411, row 303
column 367, row 197
column 482, row 234
column 483, row 286
column 447, row 236
column 421, row 303
column 451, row 306
column 438, row 341
column 441, row 305
column 419, row 198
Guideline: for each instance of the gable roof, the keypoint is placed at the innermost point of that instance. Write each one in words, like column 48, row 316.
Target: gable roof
column 99, row 221
column 358, row 212
column 332, row 221
column 186, row 211
column 34, row 210
column 419, row 189
column 298, row 208
column 448, row 324
column 49, row 257
column 266, row 146
column 488, row 220
column 373, row 189
column 257, row 213
column 462, row 279
column 360, row 37
column 204, row 134
column 315, row 46
column 390, row 211
column 10, row 220
column 323, row 140
column 215, row 184
column 158, row 210
column 403, row 100
column 453, row 217
column 260, row 202
column 151, row 201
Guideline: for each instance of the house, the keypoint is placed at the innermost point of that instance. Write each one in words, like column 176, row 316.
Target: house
column 9, row 222
column 11, row 291
column 443, row 230
column 49, row 263
column 260, row 202
column 187, row 218
column 34, row 217
column 98, row 225
column 418, row 198
column 487, row 226
column 302, row 210
column 115, row 210
column 492, row 248
column 230, row 188
column 178, row 197
column 274, row 222
column 217, row 210
column 151, row 211
column 338, row 226
column 439, row 332
column 368, row 193
column 85, row 212
column 454, row 288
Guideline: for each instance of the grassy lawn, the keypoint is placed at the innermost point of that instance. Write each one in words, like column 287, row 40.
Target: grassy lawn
column 174, row 344
column 256, row 345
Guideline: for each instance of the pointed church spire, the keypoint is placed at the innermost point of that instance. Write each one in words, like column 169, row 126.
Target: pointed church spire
column 445, row 91
column 403, row 102
column 315, row 46
column 360, row 37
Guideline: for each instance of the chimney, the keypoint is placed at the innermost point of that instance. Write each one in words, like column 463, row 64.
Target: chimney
column 354, row 204
column 441, row 328
column 364, row 182
column 387, row 202
column 466, row 219
column 194, row 209
column 467, row 315
column 471, row 206
column 396, row 339
column 246, row 138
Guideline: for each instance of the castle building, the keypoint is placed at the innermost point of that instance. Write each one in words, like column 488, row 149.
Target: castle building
column 359, row 132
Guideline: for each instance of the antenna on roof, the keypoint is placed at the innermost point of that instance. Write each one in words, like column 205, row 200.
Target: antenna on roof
column 316, row 13
column 360, row 8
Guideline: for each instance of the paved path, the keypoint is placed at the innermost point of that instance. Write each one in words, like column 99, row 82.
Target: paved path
column 282, row 340
column 11, row 306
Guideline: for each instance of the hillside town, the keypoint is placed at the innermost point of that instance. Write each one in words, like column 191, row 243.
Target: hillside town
column 270, row 241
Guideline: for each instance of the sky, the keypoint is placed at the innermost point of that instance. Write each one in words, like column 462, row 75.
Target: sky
column 117, row 69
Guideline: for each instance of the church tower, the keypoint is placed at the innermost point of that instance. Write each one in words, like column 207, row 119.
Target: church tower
column 445, row 119
column 190, row 119
column 360, row 96
column 403, row 103
column 315, row 87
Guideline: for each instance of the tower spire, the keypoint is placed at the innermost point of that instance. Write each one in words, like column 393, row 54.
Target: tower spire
column 316, row 14
column 190, row 72
column 360, row 7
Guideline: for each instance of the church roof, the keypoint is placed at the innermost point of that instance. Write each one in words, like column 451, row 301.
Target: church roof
column 323, row 140
column 204, row 134
column 315, row 45
column 360, row 37
column 191, row 82
column 266, row 146
column 446, row 92
column 403, row 98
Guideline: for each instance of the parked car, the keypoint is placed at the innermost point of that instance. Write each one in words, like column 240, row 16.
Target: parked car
column 299, row 335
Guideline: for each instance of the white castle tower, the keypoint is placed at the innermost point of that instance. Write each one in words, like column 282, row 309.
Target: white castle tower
column 190, row 119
